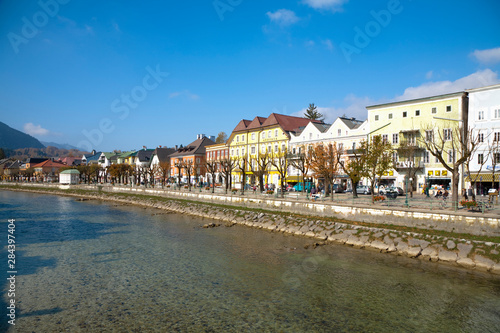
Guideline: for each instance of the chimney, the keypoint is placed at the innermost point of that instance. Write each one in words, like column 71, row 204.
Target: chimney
column 212, row 137
column 176, row 147
column 144, row 147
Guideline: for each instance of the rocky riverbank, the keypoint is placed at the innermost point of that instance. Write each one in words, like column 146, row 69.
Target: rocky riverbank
column 468, row 253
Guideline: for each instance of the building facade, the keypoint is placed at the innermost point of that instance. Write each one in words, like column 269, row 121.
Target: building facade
column 411, row 123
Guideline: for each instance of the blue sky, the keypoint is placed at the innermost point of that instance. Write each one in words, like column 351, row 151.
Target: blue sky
column 126, row 74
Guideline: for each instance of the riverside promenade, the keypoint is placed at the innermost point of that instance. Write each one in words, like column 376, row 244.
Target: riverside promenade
column 457, row 238
column 418, row 212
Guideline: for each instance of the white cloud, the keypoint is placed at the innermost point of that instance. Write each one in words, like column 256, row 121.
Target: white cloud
column 34, row 130
column 478, row 79
column 428, row 75
column 333, row 5
column 490, row 56
column 283, row 17
column 185, row 93
column 310, row 43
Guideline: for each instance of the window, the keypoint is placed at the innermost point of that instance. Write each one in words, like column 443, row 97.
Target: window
column 434, row 110
column 263, row 135
column 405, row 114
column 496, row 158
column 417, row 113
column 294, row 150
column 346, row 133
column 385, row 138
column 447, row 134
column 451, row 156
column 395, row 138
column 497, row 113
column 237, row 152
column 276, row 133
column 395, row 156
column 232, row 152
column 269, row 134
column 253, row 136
column 310, row 136
column 242, row 138
column 411, row 138
column 480, row 115
column 429, row 135
column 269, row 150
column 339, row 132
column 253, row 150
column 376, row 117
column 448, row 108
column 242, row 151
column 354, row 145
column 198, row 160
column 282, row 147
column 480, row 158
column 237, row 138
column 496, row 137
column 275, row 148
column 426, row 157
column 390, row 115
column 480, row 137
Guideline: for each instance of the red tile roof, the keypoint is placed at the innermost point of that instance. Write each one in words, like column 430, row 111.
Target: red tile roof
column 49, row 164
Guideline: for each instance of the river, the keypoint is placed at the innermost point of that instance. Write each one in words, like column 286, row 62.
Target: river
column 96, row 266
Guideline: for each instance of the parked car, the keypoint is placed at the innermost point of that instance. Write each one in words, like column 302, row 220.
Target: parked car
column 363, row 189
column 337, row 188
column 392, row 189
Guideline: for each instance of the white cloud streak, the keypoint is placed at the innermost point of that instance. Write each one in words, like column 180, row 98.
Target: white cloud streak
column 333, row 5
column 283, row 17
column 34, row 130
column 489, row 56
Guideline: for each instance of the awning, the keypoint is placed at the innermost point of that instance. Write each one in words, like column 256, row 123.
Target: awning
column 294, row 179
column 483, row 177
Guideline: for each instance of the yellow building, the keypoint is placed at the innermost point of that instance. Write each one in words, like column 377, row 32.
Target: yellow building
column 252, row 139
column 413, row 121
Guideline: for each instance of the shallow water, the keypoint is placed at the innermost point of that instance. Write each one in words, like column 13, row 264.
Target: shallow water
column 96, row 267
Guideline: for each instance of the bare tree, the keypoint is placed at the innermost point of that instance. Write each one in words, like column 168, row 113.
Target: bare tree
column 279, row 160
column 445, row 144
column 212, row 167
column 179, row 164
column 481, row 159
column 163, row 170
column 300, row 161
column 227, row 166
column 242, row 167
column 410, row 155
column 259, row 167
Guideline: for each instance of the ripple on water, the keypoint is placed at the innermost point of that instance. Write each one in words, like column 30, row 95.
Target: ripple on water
column 88, row 266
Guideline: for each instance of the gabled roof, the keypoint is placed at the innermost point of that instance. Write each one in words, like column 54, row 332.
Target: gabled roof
column 242, row 125
column 108, row 155
column 49, row 164
column 352, row 123
column 196, row 147
column 94, row 157
column 144, row 155
column 163, row 153
column 321, row 127
column 288, row 123
column 70, row 171
column 35, row 160
column 256, row 122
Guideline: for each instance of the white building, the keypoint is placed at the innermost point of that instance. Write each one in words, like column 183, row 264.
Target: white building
column 346, row 132
column 70, row 176
column 484, row 119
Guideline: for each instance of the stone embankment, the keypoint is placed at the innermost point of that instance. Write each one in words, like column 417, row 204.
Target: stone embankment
column 470, row 254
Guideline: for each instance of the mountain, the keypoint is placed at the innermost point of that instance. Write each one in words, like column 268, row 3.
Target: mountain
column 59, row 145
column 11, row 138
